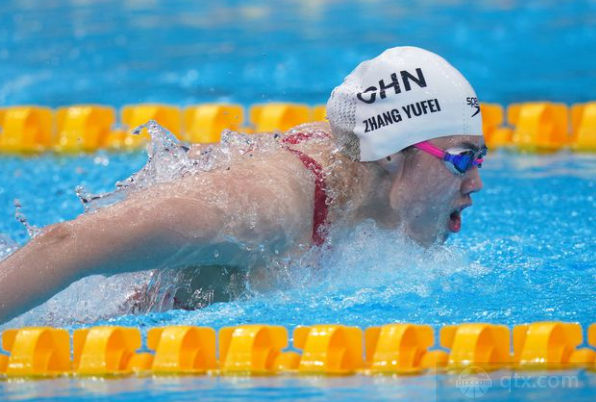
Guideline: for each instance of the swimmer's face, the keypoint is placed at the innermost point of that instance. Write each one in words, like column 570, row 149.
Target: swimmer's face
column 429, row 197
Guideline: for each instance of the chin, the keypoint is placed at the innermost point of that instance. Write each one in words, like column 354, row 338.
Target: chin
column 429, row 241
column 443, row 238
column 438, row 239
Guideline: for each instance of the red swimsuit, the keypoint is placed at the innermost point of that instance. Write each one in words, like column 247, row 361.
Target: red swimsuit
column 321, row 207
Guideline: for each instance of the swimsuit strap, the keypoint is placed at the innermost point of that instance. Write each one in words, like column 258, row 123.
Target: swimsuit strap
column 298, row 138
column 321, row 207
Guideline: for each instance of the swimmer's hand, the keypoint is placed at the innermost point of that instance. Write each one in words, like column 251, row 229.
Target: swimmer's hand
column 186, row 223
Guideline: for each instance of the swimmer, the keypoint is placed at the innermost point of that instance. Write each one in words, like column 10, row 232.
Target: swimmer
column 403, row 147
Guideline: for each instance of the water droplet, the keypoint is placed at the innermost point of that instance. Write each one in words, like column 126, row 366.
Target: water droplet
column 32, row 231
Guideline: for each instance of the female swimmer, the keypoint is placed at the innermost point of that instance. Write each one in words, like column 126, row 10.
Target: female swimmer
column 402, row 147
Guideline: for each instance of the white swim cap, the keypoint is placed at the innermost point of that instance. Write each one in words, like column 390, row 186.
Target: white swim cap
column 402, row 97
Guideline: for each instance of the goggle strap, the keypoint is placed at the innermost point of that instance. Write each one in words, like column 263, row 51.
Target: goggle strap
column 431, row 149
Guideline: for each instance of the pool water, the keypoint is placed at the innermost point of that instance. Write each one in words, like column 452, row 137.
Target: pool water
column 525, row 254
column 55, row 52
column 354, row 388
column 526, row 250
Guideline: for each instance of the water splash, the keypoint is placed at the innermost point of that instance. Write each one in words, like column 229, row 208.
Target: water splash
column 32, row 231
column 169, row 159
column 366, row 267
column 7, row 246
column 367, row 262
column 370, row 257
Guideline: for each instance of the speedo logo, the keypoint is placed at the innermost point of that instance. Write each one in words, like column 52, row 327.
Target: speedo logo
column 370, row 94
column 473, row 102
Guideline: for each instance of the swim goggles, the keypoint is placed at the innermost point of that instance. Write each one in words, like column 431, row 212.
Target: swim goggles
column 457, row 160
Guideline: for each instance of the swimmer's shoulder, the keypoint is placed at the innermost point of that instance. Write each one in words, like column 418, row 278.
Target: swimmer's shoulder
column 314, row 139
column 271, row 150
column 338, row 169
column 316, row 132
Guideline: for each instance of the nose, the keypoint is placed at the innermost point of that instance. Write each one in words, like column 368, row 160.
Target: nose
column 472, row 183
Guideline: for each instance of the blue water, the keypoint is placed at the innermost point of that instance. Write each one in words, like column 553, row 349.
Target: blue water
column 504, row 386
column 526, row 251
column 56, row 52
column 525, row 254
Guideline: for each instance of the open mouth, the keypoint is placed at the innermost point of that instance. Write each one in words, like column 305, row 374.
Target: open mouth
column 455, row 218
column 455, row 221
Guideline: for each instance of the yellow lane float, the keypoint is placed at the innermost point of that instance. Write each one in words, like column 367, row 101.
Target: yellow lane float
column 393, row 349
column 105, row 350
column 329, row 349
column 550, row 345
column 182, row 349
column 35, row 352
column 529, row 127
column 205, row 123
column 25, row 129
column 583, row 127
column 83, row 128
column 539, row 126
column 278, row 116
column 252, row 349
column 397, row 348
column 492, row 121
column 484, row 345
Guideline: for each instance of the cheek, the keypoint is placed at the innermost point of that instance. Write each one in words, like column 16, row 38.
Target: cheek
column 446, row 188
column 427, row 188
column 434, row 191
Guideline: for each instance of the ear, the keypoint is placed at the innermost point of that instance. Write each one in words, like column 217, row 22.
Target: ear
column 393, row 163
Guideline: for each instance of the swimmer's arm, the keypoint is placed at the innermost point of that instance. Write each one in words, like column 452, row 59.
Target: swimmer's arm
column 126, row 237
column 150, row 231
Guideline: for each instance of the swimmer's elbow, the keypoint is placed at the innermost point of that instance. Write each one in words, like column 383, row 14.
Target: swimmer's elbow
column 60, row 241
column 56, row 234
